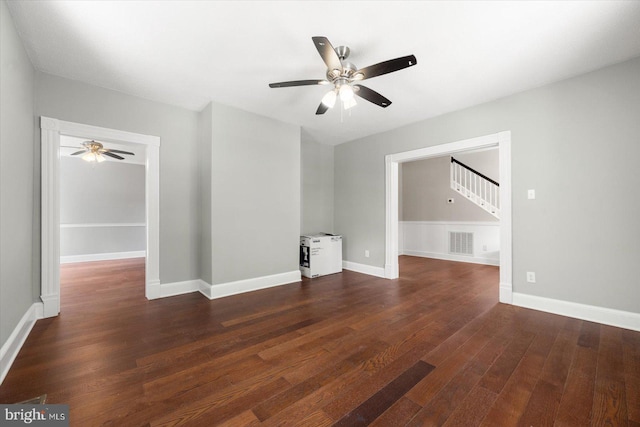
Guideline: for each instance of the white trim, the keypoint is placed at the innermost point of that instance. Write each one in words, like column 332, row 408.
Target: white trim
column 14, row 343
column 50, row 132
column 391, row 267
column 502, row 140
column 153, row 289
column 105, row 134
column 97, row 225
column 101, row 257
column 453, row 257
column 506, row 293
column 607, row 316
column 465, row 223
column 364, row 269
column 50, row 217
column 179, row 288
column 506, row 248
column 487, row 141
column 241, row 286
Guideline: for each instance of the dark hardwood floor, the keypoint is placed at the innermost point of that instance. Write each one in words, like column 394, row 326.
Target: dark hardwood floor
column 431, row 348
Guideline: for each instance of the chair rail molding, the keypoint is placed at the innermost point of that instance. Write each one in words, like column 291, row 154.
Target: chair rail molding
column 50, row 131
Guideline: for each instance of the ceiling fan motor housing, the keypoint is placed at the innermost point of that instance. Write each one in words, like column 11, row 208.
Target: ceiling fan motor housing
column 345, row 75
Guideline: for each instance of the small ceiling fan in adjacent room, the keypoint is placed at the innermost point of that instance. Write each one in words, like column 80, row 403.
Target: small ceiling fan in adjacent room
column 94, row 151
column 344, row 75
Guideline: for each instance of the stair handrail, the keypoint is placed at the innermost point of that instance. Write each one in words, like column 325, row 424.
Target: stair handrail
column 474, row 171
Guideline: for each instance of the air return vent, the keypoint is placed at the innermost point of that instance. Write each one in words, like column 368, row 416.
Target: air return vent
column 460, row 243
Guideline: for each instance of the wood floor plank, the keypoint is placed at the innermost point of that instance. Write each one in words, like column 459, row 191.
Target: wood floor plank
column 244, row 419
column 373, row 407
column 220, row 409
column 500, row 372
column 545, row 398
column 472, row 409
column 445, row 402
column 320, row 351
column 448, row 368
column 399, row 414
column 631, row 346
column 512, row 400
column 577, row 399
column 610, row 402
column 277, row 403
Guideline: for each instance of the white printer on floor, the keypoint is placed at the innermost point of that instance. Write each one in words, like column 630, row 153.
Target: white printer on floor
column 320, row 254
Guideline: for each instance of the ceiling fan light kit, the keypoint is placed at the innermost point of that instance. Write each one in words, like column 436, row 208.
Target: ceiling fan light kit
column 342, row 75
column 330, row 99
column 93, row 157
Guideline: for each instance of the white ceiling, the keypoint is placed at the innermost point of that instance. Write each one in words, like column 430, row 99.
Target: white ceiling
column 187, row 53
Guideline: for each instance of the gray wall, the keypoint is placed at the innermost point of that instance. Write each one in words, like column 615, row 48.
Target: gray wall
column 487, row 162
column 255, row 206
column 575, row 142
column 178, row 131
column 107, row 192
column 16, row 177
column 317, row 186
column 426, row 186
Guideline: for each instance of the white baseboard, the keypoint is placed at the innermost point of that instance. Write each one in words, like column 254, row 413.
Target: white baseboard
column 12, row 346
column 607, row 316
column 506, row 293
column 364, row 269
column 178, row 288
column 101, row 257
column 241, row 286
column 451, row 257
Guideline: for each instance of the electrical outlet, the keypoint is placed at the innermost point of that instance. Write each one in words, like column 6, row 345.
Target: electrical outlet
column 366, row 253
column 531, row 194
column 531, row 277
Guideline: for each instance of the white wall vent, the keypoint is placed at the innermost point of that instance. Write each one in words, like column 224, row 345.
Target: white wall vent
column 460, row 243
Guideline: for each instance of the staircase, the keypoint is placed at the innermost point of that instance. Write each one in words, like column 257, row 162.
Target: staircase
column 476, row 187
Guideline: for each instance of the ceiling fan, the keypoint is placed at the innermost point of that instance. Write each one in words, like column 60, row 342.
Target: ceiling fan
column 343, row 75
column 94, row 151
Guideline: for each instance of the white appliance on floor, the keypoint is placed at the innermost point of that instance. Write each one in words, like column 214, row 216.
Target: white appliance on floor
column 320, row 254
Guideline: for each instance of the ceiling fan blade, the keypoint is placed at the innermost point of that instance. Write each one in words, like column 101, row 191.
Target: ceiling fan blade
column 371, row 96
column 387, row 67
column 115, row 156
column 328, row 53
column 322, row 108
column 109, row 150
column 299, row 83
column 77, row 152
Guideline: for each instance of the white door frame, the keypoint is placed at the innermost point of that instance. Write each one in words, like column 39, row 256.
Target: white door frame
column 502, row 140
column 50, row 131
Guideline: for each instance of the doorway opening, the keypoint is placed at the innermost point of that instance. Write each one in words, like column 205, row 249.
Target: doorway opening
column 500, row 140
column 102, row 218
column 52, row 130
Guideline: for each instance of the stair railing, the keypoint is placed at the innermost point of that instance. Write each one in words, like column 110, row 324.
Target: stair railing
column 475, row 186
